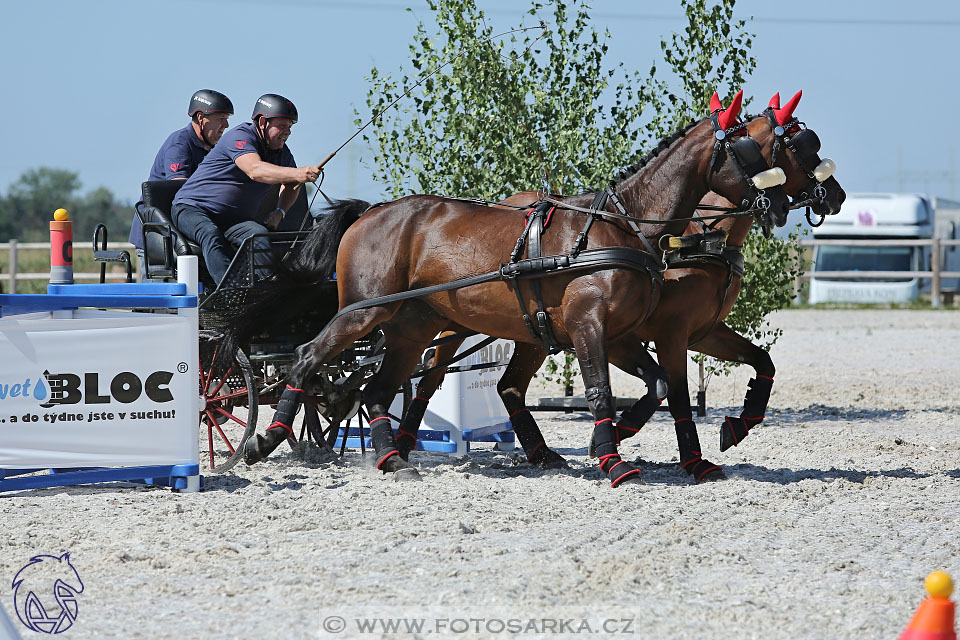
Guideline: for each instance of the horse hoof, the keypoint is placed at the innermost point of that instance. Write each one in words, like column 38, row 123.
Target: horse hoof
column 634, row 479
column 732, row 433
column 549, row 459
column 251, row 452
column 715, row 475
column 407, row 475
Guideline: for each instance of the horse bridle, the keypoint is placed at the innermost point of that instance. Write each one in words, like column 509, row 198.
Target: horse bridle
column 749, row 160
column 805, row 145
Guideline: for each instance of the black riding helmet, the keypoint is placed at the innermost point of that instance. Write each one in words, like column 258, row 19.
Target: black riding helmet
column 207, row 101
column 271, row 105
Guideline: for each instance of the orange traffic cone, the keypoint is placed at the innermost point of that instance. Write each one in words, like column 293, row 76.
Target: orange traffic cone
column 934, row 619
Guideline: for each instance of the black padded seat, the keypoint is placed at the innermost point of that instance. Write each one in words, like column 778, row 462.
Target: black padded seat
column 157, row 206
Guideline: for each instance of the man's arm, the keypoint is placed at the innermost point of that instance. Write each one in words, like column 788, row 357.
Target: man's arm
column 288, row 196
column 267, row 173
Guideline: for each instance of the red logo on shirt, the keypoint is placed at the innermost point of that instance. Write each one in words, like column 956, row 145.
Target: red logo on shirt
column 175, row 167
column 241, row 144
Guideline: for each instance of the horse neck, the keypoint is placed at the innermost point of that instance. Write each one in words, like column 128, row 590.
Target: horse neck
column 737, row 228
column 672, row 183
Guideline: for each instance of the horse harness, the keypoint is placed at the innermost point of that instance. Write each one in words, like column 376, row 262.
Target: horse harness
column 749, row 159
column 537, row 220
column 805, row 145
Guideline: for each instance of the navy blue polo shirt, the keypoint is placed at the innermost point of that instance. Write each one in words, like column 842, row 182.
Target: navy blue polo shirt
column 178, row 157
column 220, row 188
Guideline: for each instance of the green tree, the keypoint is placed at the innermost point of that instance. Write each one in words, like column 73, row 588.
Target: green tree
column 37, row 193
column 495, row 112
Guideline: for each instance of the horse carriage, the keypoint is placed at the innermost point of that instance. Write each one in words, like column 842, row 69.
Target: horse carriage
column 362, row 337
column 251, row 375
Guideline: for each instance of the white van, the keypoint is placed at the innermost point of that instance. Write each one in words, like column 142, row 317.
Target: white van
column 879, row 216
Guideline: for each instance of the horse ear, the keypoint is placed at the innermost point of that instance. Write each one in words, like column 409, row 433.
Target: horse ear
column 715, row 104
column 729, row 116
column 775, row 101
column 784, row 115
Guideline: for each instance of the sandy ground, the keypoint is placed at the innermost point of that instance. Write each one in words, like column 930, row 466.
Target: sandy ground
column 833, row 512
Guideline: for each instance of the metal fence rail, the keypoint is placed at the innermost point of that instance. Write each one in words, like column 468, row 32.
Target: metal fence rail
column 13, row 276
column 935, row 274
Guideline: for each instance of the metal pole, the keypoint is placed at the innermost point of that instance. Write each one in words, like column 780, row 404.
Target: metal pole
column 702, row 393
column 13, row 266
column 935, row 276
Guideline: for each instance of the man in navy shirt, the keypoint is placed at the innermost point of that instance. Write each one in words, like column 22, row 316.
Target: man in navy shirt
column 217, row 206
column 184, row 149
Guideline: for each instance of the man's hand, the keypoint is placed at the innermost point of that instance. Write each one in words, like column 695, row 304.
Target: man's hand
column 273, row 220
column 309, row 174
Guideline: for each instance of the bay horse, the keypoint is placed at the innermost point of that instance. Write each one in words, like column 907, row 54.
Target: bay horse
column 421, row 241
column 698, row 293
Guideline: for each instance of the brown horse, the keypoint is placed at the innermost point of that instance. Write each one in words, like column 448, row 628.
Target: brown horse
column 697, row 295
column 422, row 241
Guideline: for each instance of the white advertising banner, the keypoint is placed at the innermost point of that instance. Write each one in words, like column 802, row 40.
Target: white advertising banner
column 469, row 399
column 99, row 389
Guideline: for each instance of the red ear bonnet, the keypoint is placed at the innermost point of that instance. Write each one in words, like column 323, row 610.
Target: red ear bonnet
column 715, row 104
column 775, row 101
column 728, row 117
column 786, row 114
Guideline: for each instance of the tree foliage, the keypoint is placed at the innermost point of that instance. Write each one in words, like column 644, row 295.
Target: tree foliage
column 495, row 112
column 29, row 204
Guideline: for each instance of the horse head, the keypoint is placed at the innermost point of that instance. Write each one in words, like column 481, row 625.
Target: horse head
column 739, row 168
column 795, row 150
column 44, row 580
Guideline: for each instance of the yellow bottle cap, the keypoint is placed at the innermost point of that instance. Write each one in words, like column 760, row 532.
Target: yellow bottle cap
column 60, row 215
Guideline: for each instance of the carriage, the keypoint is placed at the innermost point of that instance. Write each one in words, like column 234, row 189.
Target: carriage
column 255, row 373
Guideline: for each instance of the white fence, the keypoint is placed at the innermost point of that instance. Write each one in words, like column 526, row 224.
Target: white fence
column 935, row 274
column 11, row 278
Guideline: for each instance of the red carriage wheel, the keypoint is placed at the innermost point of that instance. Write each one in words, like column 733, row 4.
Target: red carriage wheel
column 229, row 415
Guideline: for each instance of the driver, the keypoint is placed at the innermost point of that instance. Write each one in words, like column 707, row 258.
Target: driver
column 184, row 149
column 217, row 206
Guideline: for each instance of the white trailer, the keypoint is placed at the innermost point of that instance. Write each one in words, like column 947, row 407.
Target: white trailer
column 883, row 216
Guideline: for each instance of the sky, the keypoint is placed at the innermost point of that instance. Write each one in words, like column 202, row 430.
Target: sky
column 95, row 87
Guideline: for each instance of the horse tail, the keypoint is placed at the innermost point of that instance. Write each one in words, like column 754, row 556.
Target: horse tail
column 312, row 261
column 316, row 258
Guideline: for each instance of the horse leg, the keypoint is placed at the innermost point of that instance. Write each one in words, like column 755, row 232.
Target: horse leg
column 631, row 356
column 336, row 337
column 524, row 363
column 589, row 340
column 428, row 385
column 672, row 354
column 402, row 353
column 726, row 344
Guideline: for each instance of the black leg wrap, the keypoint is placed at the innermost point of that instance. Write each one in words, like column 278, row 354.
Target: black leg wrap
column 636, row 416
column 531, row 439
column 618, row 471
column 734, row 430
column 385, row 446
column 691, row 459
column 600, row 400
column 410, row 426
column 260, row 446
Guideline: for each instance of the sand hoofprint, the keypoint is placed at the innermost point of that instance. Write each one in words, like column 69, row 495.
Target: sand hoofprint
column 834, row 510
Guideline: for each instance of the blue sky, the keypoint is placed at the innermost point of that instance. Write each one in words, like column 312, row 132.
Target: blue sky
column 95, row 87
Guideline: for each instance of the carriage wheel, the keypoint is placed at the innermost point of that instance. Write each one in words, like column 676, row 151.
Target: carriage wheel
column 229, row 415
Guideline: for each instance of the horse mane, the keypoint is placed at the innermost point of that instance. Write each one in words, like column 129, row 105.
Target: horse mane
column 662, row 146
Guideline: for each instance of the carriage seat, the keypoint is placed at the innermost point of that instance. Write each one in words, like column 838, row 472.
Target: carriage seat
column 157, row 205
